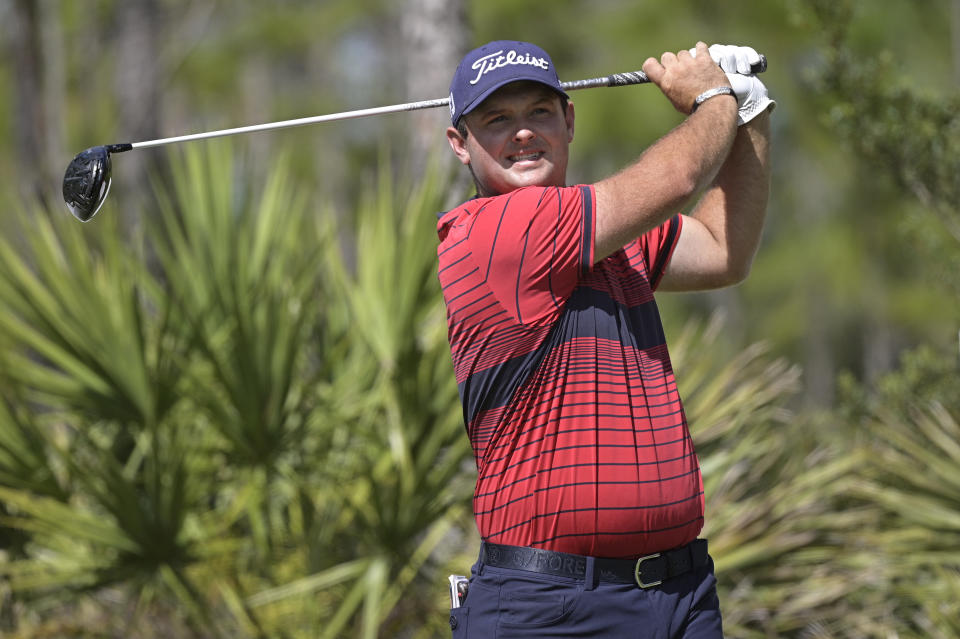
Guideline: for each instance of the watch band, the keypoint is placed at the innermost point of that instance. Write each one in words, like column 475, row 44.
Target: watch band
column 710, row 93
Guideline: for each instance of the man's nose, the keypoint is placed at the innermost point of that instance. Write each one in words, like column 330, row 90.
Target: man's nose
column 524, row 133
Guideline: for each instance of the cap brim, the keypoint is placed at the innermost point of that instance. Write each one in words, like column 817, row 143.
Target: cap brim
column 493, row 89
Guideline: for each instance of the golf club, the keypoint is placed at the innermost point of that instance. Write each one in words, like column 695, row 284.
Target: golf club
column 86, row 181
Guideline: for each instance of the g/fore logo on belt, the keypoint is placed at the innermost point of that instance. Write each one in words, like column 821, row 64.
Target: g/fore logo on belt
column 530, row 559
column 498, row 60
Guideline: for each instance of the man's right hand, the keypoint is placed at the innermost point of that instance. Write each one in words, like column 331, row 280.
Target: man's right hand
column 682, row 76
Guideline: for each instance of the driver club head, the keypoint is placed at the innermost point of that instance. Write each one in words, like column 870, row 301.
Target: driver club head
column 87, row 182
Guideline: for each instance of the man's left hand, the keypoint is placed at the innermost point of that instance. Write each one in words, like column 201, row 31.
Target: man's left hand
column 731, row 58
column 752, row 97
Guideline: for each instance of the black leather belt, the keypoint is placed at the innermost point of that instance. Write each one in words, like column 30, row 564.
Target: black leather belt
column 645, row 572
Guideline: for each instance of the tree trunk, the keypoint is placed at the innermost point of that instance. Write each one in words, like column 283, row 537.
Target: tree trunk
column 435, row 37
column 35, row 46
column 137, row 84
column 955, row 35
column 819, row 362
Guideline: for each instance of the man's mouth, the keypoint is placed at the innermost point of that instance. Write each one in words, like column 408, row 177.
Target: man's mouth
column 525, row 157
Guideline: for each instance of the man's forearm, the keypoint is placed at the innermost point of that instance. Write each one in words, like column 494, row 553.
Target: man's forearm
column 669, row 173
column 734, row 207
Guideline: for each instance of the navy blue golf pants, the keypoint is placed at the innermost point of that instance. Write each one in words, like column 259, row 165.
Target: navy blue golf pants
column 505, row 603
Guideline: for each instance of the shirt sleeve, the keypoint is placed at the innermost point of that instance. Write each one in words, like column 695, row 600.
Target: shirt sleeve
column 657, row 247
column 533, row 245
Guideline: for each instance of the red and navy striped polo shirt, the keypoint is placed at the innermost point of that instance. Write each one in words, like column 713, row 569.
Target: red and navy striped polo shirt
column 569, row 398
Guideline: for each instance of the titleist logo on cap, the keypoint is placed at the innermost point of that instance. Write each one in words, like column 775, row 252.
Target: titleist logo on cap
column 498, row 60
column 493, row 65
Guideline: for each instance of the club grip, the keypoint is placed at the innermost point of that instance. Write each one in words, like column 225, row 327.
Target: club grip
column 635, row 77
column 760, row 66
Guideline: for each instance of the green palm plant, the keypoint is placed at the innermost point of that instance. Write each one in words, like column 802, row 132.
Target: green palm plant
column 74, row 305
column 241, row 278
column 248, row 412
column 24, row 463
column 25, row 466
column 89, row 345
column 398, row 450
column 243, row 274
column 820, row 526
column 176, row 398
column 913, row 478
column 771, row 484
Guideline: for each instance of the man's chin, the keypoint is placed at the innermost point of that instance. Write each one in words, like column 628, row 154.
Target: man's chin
column 513, row 180
column 533, row 176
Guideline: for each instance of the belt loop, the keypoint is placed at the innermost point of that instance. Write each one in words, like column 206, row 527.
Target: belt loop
column 590, row 579
column 483, row 555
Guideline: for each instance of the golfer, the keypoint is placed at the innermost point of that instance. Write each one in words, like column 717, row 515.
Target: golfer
column 589, row 498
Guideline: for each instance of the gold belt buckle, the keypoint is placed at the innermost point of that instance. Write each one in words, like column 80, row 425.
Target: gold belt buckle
column 636, row 572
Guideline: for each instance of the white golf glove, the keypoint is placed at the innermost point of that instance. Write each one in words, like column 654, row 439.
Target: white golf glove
column 731, row 58
column 752, row 97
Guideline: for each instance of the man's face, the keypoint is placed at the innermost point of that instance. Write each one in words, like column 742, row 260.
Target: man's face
column 519, row 136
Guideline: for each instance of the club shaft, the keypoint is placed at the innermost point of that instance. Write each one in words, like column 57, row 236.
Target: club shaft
column 287, row 124
column 615, row 80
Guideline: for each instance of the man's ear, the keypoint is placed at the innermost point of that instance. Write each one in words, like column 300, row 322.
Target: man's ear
column 570, row 117
column 459, row 145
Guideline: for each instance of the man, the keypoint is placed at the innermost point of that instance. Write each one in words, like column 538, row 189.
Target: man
column 589, row 498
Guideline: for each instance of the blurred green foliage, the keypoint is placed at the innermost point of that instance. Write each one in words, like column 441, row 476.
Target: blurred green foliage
column 239, row 419
column 249, row 426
